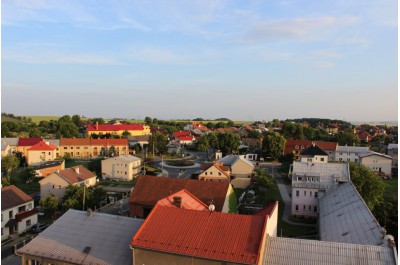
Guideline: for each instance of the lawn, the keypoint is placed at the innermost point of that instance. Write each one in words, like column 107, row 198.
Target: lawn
column 121, row 184
column 28, row 188
column 391, row 188
column 73, row 163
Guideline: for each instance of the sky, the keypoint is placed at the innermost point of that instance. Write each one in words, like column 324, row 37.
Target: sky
column 243, row 60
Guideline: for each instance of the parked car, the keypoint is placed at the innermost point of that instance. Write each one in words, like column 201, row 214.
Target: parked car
column 37, row 228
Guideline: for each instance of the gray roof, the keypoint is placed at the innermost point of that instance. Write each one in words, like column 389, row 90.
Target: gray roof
column 344, row 217
column 4, row 146
column 352, row 149
column 138, row 138
column 104, row 237
column 279, row 251
column 10, row 141
column 125, row 158
column 55, row 142
column 370, row 153
column 392, row 146
column 324, row 174
column 230, row 160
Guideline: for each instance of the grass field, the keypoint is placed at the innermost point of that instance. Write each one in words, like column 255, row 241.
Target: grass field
column 37, row 119
column 391, row 188
column 28, row 188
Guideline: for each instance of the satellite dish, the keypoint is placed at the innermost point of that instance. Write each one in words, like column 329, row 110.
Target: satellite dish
column 211, row 207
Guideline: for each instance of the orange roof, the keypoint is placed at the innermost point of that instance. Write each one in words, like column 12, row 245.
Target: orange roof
column 268, row 210
column 11, row 196
column 42, row 146
column 118, row 127
column 189, row 201
column 74, row 141
column 209, row 235
column 76, row 174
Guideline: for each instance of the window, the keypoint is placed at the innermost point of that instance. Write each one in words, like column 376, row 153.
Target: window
column 206, row 173
column 219, row 173
column 322, row 159
column 356, row 160
column 340, row 159
column 125, row 172
column 297, row 207
column 10, row 214
column 310, row 193
column 315, row 209
column 78, row 147
column 297, row 193
column 28, row 222
column 86, row 147
column 211, row 173
column 309, row 207
column 305, row 193
column 35, row 262
column 304, row 207
column 316, row 194
column 65, row 148
column 72, row 147
column 49, row 153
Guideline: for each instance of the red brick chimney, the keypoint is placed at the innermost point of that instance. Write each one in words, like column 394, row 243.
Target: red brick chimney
column 178, row 201
column 97, row 125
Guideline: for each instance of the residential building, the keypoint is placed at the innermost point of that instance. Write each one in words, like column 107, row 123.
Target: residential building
column 310, row 181
column 215, row 172
column 332, row 129
column 101, row 147
column 139, row 139
column 393, row 152
column 118, row 129
column 240, row 169
column 56, row 143
column 8, row 146
column 123, row 167
column 87, row 238
column 185, row 200
column 349, row 153
column 297, row 146
column 76, row 147
column 313, row 154
column 49, row 167
column 376, row 161
column 58, row 181
column 25, row 143
column 176, row 135
column 41, row 153
column 92, row 148
column 364, row 136
column 149, row 190
column 186, row 140
column 202, row 237
column 17, row 212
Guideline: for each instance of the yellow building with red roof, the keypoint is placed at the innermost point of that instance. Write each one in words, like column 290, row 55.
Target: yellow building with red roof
column 40, row 153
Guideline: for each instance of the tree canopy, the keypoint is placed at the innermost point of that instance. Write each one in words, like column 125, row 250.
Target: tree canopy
column 273, row 145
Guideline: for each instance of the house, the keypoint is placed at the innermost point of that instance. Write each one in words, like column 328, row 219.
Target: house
column 195, row 125
column 139, row 139
column 310, row 181
column 87, row 238
column 185, row 200
column 25, row 143
column 244, row 130
column 202, row 237
column 364, row 136
column 123, row 167
column 238, row 165
column 8, row 146
column 215, row 172
column 41, row 153
column 102, row 147
column 185, row 140
column 349, row 153
column 76, row 147
column 17, row 212
column 252, row 142
column 56, row 143
column 118, row 129
column 92, row 148
column 376, row 161
column 332, row 129
column 314, row 154
column 297, row 146
column 393, row 152
column 149, row 190
column 58, row 181
column 49, row 167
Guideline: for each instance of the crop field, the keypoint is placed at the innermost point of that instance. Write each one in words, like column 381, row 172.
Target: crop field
column 37, row 119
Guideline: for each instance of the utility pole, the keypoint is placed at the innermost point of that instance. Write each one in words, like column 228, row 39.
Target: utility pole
column 154, row 143
column 83, row 203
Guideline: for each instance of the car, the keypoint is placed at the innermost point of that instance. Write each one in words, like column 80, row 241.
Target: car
column 37, row 228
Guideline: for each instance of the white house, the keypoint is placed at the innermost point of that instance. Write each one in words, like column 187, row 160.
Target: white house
column 17, row 212
column 215, row 172
column 123, row 167
column 57, row 182
column 377, row 162
column 349, row 153
column 8, row 146
column 310, row 181
column 240, row 168
column 314, row 154
column 393, row 152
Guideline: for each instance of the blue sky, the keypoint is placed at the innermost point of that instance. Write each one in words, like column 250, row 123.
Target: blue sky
column 244, row 60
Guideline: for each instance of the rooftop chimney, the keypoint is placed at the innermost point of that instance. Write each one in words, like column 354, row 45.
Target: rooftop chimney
column 97, row 125
column 178, row 201
column 76, row 170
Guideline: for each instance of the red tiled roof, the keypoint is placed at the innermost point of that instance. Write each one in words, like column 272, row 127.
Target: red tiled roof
column 119, row 127
column 74, row 141
column 110, row 142
column 42, row 146
column 70, row 174
column 210, row 235
column 11, row 196
column 19, row 217
column 189, row 201
column 267, row 210
column 149, row 190
column 291, row 145
column 29, row 141
column 364, row 135
column 180, row 134
column 185, row 138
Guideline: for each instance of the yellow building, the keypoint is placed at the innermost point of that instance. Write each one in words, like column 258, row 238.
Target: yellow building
column 40, row 153
column 118, row 129
column 87, row 147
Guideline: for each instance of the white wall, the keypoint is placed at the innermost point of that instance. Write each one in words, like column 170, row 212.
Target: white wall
column 20, row 227
column 305, row 200
column 378, row 163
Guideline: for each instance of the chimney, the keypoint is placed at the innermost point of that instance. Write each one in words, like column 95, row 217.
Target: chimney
column 89, row 213
column 178, row 201
column 97, row 125
column 76, row 170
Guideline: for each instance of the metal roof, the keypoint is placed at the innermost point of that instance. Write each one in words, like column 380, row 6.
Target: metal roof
column 124, row 158
column 77, row 238
column 352, row 149
column 10, row 141
column 344, row 217
column 392, row 146
column 230, row 160
column 370, row 153
column 282, row 251
column 209, row 235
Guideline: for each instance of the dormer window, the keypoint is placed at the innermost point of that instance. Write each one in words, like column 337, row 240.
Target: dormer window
column 297, row 147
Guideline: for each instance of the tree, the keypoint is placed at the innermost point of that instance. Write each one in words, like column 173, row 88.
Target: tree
column 263, row 179
column 292, row 130
column 160, row 143
column 6, row 181
column 73, row 197
column 112, row 151
column 254, row 134
column 348, row 138
column 50, row 204
column 67, row 129
column 228, row 143
column 207, row 142
column 368, row 184
column 9, row 162
column 125, row 134
column 77, row 120
column 273, row 145
column 230, row 124
column 148, row 120
column 28, row 175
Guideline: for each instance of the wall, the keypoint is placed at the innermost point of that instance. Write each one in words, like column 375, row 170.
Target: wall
column 119, row 169
column 46, row 186
column 304, row 201
column 48, row 170
column 225, row 208
column 346, row 157
column 27, row 258
column 378, row 163
column 36, row 158
column 241, row 169
column 213, row 174
column 315, row 159
column 241, row 183
column 21, row 226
